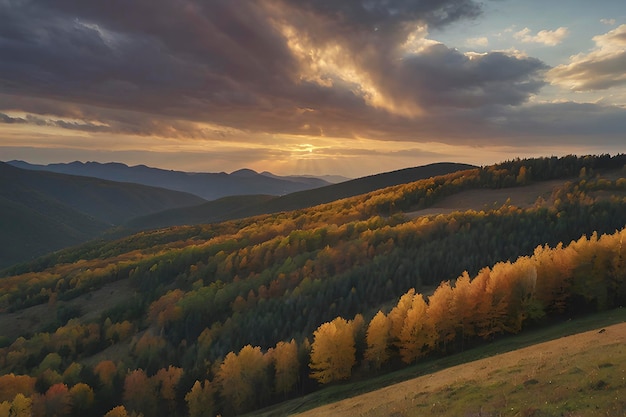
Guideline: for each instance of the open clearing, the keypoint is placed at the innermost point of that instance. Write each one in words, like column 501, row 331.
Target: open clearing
column 579, row 375
column 488, row 199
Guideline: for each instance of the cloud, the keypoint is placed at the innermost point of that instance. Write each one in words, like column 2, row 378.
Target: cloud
column 600, row 69
column 609, row 22
column 224, row 70
column 545, row 37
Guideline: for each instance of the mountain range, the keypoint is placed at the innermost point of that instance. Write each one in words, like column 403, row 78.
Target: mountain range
column 209, row 186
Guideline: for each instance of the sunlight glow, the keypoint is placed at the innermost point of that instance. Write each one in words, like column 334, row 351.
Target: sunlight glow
column 330, row 64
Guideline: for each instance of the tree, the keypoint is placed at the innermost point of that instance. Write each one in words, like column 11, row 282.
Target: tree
column 417, row 333
column 119, row 411
column 332, row 351
column 21, row 406
column 286, row 363
column 139, row 393
column 57, row 400
column 378, row 334
column 82, row 397
column 5, row 408
column 11, row 385
column 167, row 381
column 398, row 314
column 242, row 378
column 462, row 308
column 200, row 399
column 106, row 371
column 439, row 313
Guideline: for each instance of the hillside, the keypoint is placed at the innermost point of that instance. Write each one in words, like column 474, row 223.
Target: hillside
column 235, row 316
column 43, row 211
column 209, row 186
column 579, row 374
column 246, row 206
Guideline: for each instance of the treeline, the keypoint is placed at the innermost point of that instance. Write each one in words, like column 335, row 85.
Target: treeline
column 251, row 299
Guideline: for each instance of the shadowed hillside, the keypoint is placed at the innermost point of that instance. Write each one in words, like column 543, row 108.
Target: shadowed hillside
column 43, row 211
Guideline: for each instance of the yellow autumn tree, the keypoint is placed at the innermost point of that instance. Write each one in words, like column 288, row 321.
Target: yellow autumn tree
column 333, row 351
column 417, row 333
column 82, row 397
column 398, row 314
column 242, row 378
column 440, row 316
column 5, row 408
column 462, row 307
column 21, row 406
column 119, row 411
column 378, row 334
column 200, row 399
column 286, row 364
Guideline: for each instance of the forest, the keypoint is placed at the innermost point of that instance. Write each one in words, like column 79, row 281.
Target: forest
column 231, row 317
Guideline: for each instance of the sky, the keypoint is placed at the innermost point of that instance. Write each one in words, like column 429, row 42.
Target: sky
column 347, row 87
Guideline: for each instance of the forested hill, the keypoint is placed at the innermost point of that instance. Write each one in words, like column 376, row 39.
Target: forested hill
column 209, row 186
column 229, row 208
column 230, row 317
column 44, row 211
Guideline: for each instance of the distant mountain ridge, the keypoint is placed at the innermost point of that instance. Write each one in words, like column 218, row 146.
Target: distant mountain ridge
column 209, row 186
column 44, row 211
column 229, row 208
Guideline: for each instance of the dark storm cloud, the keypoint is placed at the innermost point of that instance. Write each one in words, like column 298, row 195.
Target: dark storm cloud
column 389, row 15
column 445, row 77
column 158, row 66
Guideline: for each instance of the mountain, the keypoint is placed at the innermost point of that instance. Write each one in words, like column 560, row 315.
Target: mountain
column 209, row 186
column 243, row 206
column 43, row 211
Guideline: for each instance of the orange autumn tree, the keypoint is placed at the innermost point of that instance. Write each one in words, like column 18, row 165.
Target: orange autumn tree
column 333, row 351
column 139, row 393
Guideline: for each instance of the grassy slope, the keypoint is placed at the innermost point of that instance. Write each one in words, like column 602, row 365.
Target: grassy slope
column 570, row 369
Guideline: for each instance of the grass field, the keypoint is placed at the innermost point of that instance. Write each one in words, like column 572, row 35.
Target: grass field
column 574, row 368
